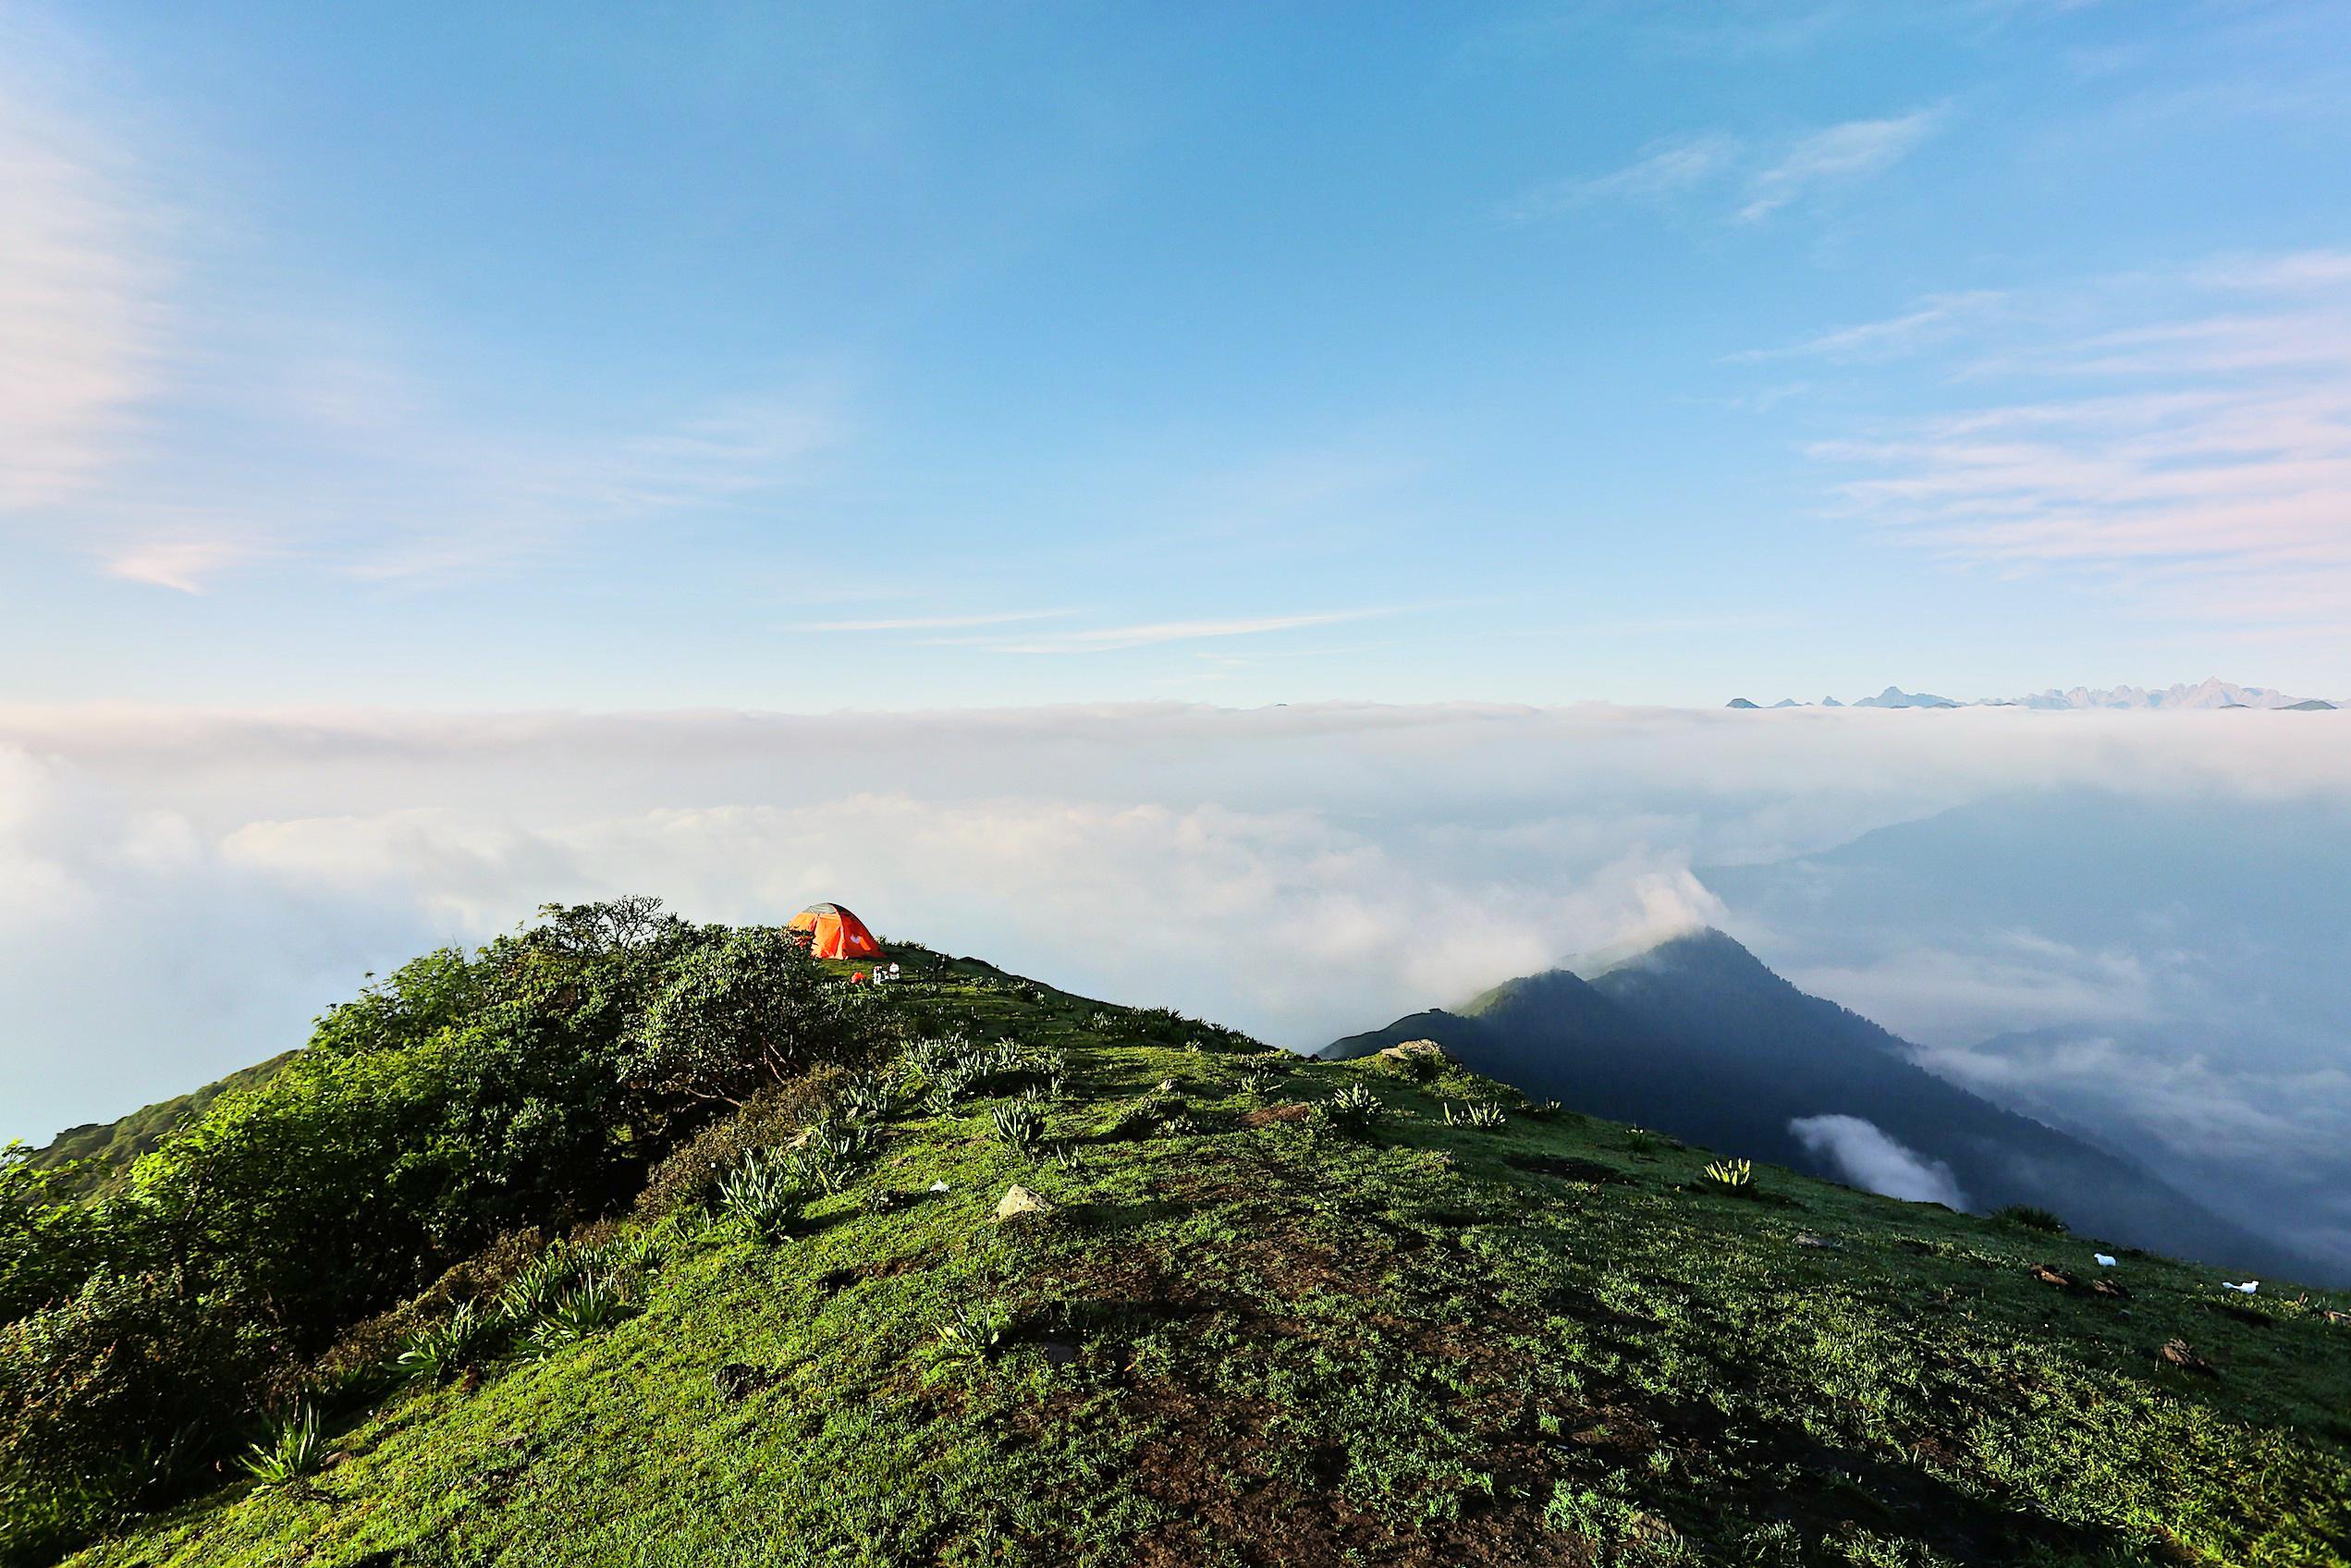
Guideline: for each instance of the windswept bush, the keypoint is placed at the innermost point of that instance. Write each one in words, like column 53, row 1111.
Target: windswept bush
column 530, row 1087
column 747, row 1012
column 101, row 1395
column 50, row 1243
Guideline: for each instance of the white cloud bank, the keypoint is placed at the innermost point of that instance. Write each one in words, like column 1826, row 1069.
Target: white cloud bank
column 1866, row 1157
column 185, row 891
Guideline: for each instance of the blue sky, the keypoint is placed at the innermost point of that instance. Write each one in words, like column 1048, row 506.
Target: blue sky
column 605, row 357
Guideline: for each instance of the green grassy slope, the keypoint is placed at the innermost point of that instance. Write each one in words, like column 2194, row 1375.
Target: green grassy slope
column 1249, row 1337
column 108, row 1149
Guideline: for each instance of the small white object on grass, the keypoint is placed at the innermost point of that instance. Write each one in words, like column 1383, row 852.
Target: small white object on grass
column 2248, row 1287
column 2103, row 1261
column 938, row 1186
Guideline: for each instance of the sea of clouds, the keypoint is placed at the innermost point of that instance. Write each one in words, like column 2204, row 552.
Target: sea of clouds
column 185, row 891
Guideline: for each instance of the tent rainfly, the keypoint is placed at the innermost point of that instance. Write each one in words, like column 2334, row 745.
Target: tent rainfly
column 834, row 932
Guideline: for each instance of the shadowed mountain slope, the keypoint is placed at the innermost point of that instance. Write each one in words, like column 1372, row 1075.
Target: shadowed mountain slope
column 1697, row 1037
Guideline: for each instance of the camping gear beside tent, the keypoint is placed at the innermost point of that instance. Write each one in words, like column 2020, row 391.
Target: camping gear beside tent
column 834, row 932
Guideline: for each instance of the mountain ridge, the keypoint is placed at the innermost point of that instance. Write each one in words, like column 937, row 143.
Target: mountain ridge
column 965, row 1268
column 2210, row 694
column 1696, row 1036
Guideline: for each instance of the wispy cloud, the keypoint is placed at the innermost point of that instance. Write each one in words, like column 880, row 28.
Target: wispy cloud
column 174, row 433
column 1666, row 170
column 2198, row 461
column 186, row 565
column 1110, row 639
column 1839, row 155
column 928, row 622
column 1872, row 1158
column 80, row 304
column 1745, row 178
column 1933, row 320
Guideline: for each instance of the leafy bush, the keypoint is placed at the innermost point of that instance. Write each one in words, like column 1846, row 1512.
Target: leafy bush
column 1483, row 1115
column 1421, row 1066
column 746, row 1012
column 105, row 1400
column 49, row 1244
column 2026, row 1216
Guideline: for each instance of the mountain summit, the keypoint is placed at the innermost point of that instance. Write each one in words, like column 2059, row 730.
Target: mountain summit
column 2210, row 694
column 1696, row 1036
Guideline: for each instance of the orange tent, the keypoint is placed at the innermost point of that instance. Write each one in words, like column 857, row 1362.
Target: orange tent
column 833, row 932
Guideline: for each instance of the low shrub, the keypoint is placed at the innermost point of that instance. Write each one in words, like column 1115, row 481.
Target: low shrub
column 690, row 1176
column 108, row 1400
column 763, row 1194
column 594, row 1305
column 439, row 1349
column 1730, row 1175
column 869, row 1098
column 1353, row 1109
column 1017, row 1126
column 972, row 1334
column 293, row 1451
column 2027, row 1217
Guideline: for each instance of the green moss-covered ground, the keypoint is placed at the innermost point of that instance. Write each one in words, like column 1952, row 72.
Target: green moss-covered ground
column 1248, row 1336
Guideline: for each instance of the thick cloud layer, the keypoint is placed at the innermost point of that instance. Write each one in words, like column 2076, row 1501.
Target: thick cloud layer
column 186, row 891
column 1866, row 1157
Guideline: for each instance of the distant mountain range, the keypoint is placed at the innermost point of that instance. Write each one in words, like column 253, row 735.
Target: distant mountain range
column 2212, row 693
column 1696, row 1038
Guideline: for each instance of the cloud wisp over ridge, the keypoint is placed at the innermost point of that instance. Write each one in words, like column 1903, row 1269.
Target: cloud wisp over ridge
column 1872, row 1158
column 83, row 303
column 2195, row 460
